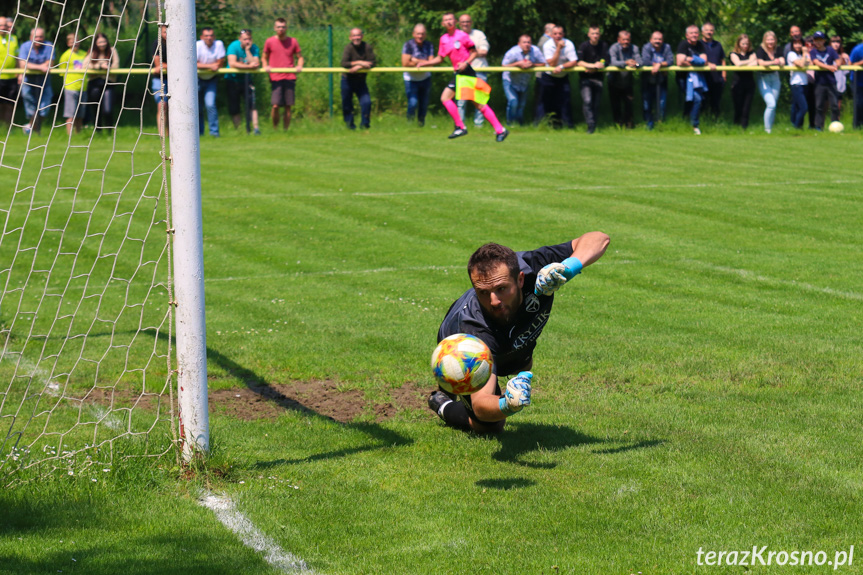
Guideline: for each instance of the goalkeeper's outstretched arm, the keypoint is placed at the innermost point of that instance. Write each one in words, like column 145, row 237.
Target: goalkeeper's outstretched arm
column 590, row 247
column 586, row 249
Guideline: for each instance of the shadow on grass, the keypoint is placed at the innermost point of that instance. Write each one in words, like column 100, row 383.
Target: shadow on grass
column 521, row 439
column 93, row 534
column 631, row 447
column 381, row 436
column 505, row 484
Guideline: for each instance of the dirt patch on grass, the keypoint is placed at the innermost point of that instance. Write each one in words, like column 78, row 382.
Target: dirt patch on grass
column 318, row 397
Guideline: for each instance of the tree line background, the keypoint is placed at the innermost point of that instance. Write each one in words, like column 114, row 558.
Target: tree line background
column 502, row 20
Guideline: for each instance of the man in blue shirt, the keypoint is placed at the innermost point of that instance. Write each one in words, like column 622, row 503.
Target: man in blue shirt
column 621, row 91
column 824, row 57
column 243, row 54
column 417, row 84
column 690, row 52
column 525, row 56
column 36, row 56
column 857, row 80
column 654, row 86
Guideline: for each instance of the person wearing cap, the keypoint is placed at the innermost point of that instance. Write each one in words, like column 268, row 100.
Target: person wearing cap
column 824, row 57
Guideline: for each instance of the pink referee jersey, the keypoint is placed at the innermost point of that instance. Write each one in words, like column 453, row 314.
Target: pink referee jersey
column 457, row 46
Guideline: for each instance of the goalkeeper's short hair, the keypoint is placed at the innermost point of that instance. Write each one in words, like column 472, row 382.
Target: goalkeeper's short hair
column 487, row 257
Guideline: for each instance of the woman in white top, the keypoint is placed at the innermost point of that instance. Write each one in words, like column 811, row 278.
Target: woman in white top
column 841, row 75
column 799, row 80
column 768, row 82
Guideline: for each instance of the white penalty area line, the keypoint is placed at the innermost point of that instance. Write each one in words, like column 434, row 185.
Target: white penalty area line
column 603, row 187
column 492, row 190
column 742, row 273
column 336, row 273
column 387, row 270
column 227, row 513
column 749, row 275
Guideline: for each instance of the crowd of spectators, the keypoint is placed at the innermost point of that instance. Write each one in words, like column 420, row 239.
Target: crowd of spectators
column 88, row 83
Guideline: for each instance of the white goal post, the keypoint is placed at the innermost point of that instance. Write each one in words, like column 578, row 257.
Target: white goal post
column 102, row 324
column 188, row 228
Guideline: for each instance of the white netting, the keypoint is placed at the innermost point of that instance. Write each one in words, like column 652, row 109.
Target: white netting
column 85, row 287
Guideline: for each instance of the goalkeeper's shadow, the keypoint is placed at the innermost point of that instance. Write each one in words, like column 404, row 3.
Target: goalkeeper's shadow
column 534, row 444
column 383, row 438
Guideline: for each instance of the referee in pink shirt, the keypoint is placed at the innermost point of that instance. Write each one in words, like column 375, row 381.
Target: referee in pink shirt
column 461, row 51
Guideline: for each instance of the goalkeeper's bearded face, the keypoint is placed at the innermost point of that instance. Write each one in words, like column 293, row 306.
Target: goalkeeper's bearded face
column 499, row 293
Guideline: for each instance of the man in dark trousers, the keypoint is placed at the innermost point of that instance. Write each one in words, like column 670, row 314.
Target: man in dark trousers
column 591, row 55
column 357, row 57
column 715, row 79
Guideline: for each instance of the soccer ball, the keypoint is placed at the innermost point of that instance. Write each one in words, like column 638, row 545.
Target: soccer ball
column 461, row 364
column 835, row 127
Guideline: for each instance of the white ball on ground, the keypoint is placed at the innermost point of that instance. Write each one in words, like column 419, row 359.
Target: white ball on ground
column 836, row 127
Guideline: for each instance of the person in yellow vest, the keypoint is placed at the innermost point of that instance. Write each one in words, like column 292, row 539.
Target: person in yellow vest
column 72, row 66
column 8, row 60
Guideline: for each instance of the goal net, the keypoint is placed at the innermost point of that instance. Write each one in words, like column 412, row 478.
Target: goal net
column 87, row 366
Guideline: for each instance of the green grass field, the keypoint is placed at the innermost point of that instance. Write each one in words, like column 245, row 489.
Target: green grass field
column 698, row 387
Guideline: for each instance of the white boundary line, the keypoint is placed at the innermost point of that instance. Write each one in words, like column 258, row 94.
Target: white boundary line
column 338, row 273
column 227, row 513
column 601, row 187
column 749, row 275
column 492, row 190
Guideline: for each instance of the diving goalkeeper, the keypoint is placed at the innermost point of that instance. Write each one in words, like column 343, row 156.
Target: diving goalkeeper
column 507, row 307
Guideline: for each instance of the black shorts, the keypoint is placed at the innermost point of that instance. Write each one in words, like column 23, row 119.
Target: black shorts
column 283, row 92
column 466, row 72
column 8, row 91
column 238, row 92
column 465, row 400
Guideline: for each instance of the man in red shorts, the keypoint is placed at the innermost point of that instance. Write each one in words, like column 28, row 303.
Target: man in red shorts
column 282, row 51
column 461, row 51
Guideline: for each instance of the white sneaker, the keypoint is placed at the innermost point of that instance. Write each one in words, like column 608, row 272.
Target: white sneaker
column 696, row 131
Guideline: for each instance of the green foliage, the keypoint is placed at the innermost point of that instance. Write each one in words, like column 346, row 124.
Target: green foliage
column 833, row 17
column 221, row 16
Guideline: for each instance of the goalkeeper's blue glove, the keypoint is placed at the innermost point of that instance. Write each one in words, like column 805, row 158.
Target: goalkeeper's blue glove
column 517, row 394
column 552, row 277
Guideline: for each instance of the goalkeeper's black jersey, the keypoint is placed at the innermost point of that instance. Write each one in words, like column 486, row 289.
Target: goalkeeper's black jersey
column 511, row 346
